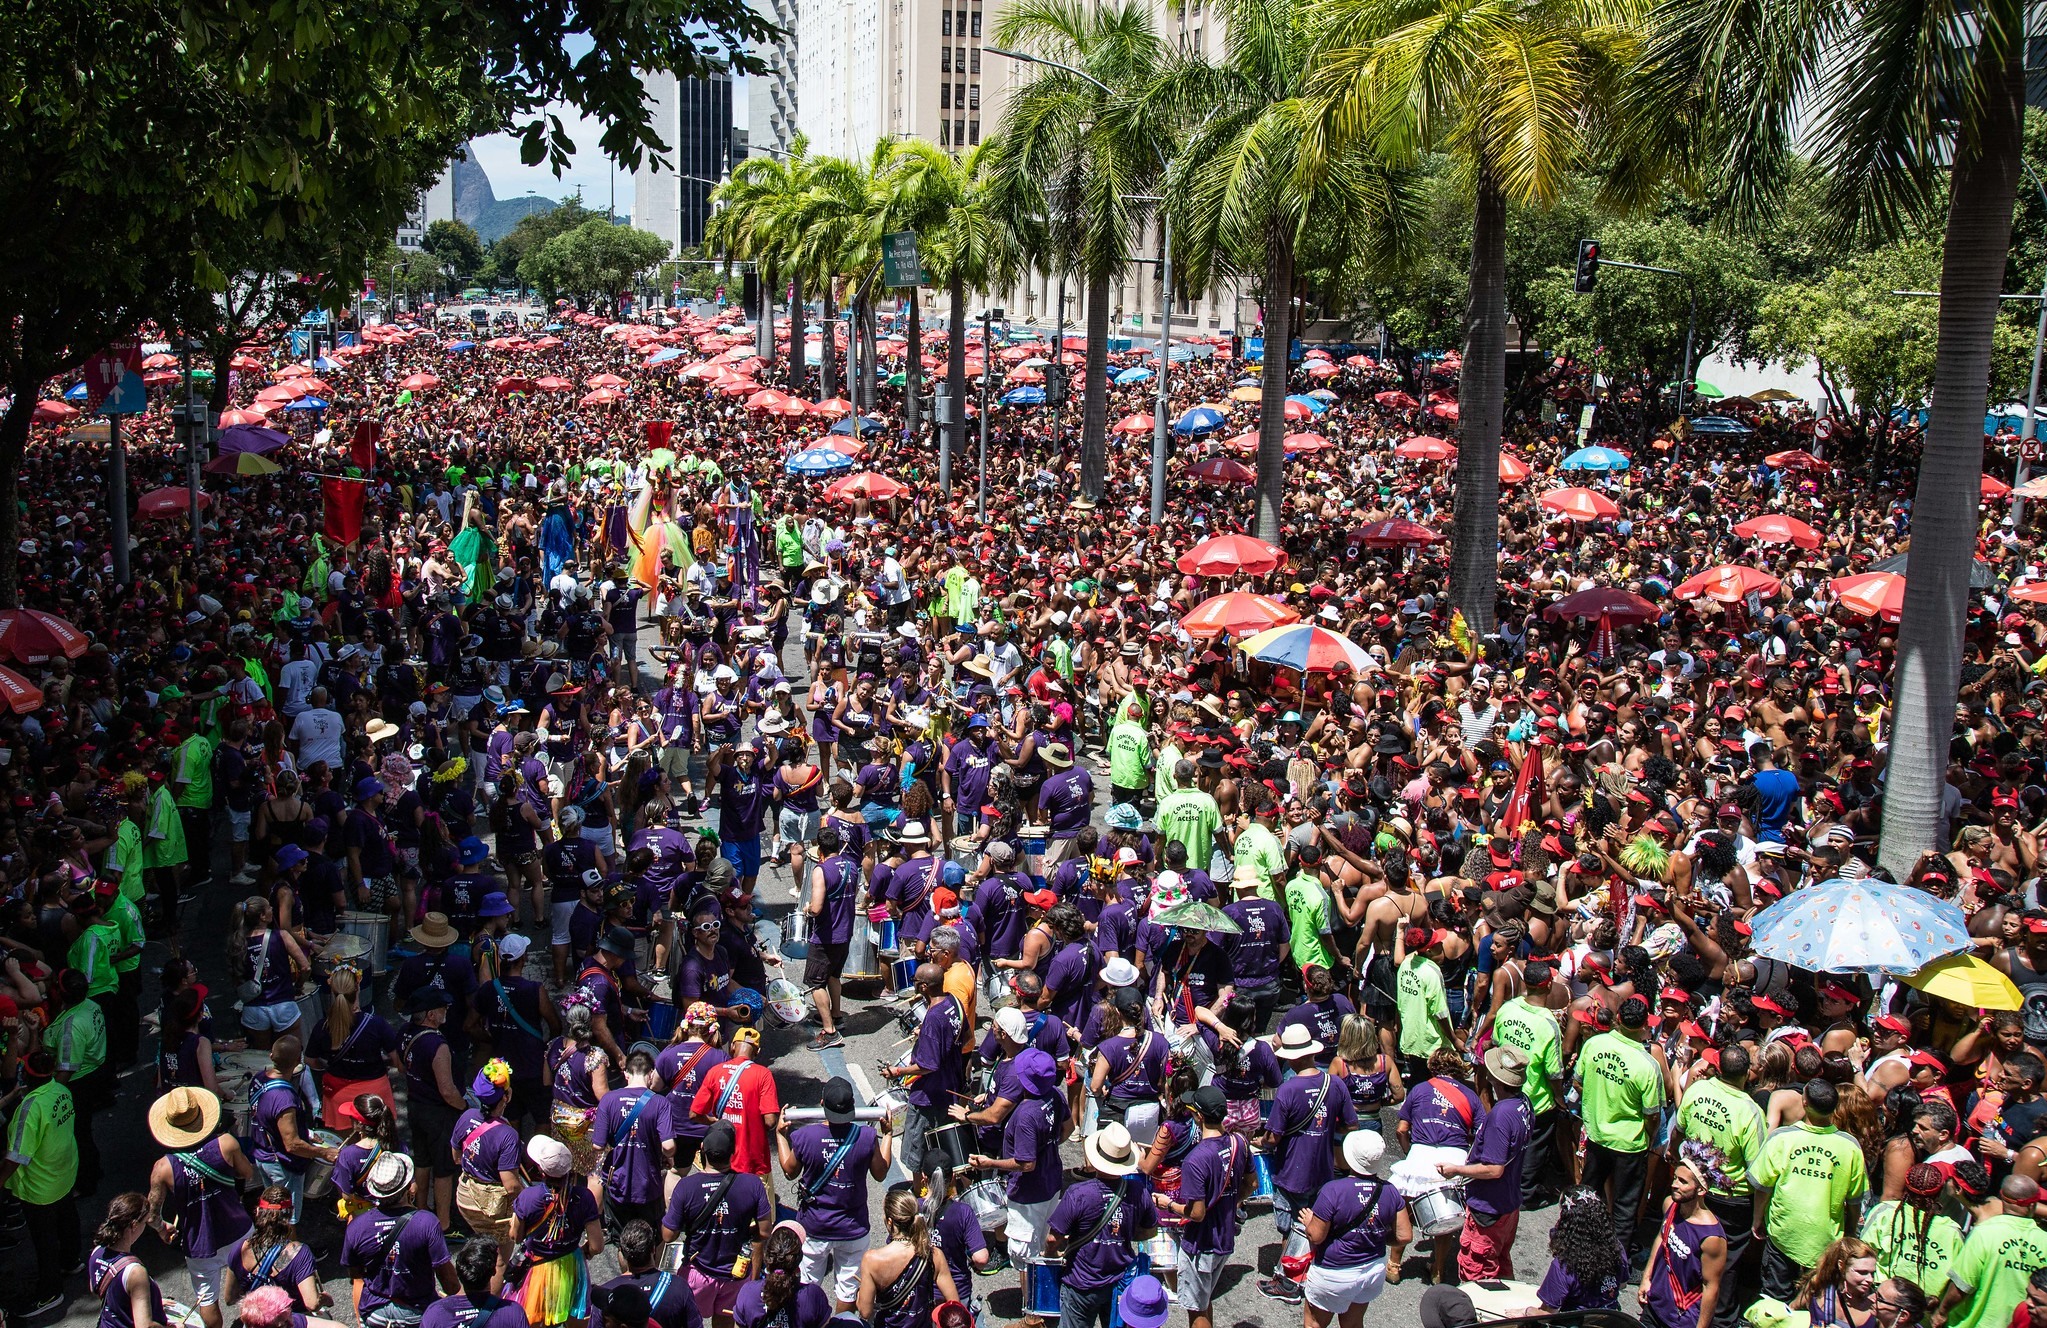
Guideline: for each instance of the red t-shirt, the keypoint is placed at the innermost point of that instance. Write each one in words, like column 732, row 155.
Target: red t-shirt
column 745, row 1108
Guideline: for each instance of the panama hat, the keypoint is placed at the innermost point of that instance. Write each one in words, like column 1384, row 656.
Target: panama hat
column 184, row 1117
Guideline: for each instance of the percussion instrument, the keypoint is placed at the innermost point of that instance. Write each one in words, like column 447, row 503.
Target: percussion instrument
column 319, row 1172
column 767, row 939
column 861, row 959
column 953, row 1141
column 1164, row 1249
column 1502, row 1299
column 1261, row 1167
column 1033, row 841
column 998, row 989
column 885, row 939
column 746, row 998
column 675, row 1258
column 990, row 1203
column 1438, row 1212
column 902, row 974
column 893, row 1106
column 1046, row 1279
column 662, row 986
column 786, row 1006
column 662, row 1018
column 374, row 928
column 876, row 1114
column 1298, row 1254
column 965, row 850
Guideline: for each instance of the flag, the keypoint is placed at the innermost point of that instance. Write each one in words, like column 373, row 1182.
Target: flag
column 344, row 502
column 1602, row 638
column 659, row 432
column 1528, row 792
column 363, row 450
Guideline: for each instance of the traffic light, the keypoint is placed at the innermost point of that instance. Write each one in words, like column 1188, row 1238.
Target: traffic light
column 1588, row 266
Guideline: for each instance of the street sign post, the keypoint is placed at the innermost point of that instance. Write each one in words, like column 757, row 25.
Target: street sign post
column 900, row 265
column 113, row 387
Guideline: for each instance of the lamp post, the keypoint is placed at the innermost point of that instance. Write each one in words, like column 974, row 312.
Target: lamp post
column 988, row 317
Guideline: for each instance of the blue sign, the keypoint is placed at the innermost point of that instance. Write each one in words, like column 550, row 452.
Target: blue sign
column 128, row 399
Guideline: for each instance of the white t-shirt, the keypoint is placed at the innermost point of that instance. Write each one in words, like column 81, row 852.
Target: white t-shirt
column 316, row 733
column 296, row 680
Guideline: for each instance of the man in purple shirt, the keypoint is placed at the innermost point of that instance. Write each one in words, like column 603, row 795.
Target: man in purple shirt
column 1492, row 1196
column 1098, row 1226
column 908, row 892
column 395, row 1254
column 1215, row 1177
column 834, row 884
column 936, row 1072
column 1259, row 952
column 997, row 913
column 743, row 801
column 1031, row 1134
column 831, row 1162
column 1067, row 797
column 632, row 1123
column 722, row 1216
column 1309, row 1111
column 965, row 774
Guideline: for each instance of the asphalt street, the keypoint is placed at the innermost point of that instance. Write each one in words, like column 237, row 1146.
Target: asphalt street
column 872, row 1037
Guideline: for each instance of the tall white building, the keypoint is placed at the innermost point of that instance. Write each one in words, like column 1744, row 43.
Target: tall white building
column 693, row 116
column 771, row 98
column 436, row 204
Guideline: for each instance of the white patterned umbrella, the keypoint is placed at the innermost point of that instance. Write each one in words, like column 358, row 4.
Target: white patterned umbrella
column 1867, row 926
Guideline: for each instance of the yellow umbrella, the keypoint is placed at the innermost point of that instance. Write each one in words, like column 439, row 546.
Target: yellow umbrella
column 1967, row 980
column 1246, row 393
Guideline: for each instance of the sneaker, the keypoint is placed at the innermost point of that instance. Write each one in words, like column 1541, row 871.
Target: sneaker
column 1281, row 1288
column 823, row 1040
column 42, row 1307
column 998, row 1262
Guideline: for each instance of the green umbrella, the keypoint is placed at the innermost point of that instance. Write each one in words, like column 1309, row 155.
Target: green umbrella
column 601, row 466
column 1701, row 388
column 896, row 380
column 1194, row 915
column 660, row 459
column 711, row 468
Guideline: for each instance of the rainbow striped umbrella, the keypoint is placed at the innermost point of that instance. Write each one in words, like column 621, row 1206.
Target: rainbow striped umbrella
column 1307, row 648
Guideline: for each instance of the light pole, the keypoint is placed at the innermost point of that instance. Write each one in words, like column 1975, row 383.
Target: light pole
column 988, row 317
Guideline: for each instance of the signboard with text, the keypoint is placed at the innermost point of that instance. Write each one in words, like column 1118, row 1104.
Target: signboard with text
column 900, row 265
column 107, row 372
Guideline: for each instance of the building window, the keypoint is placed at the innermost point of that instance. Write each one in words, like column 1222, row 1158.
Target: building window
column 973, row 131
column 945, row 96
column 976, row 56
column 1197, row 41
column 959, row 131
column 959, row 95
column 977, row 24
column 944, row 138
column 945, row 59
column 974, row 97
column 960, row 21
column 945, row 22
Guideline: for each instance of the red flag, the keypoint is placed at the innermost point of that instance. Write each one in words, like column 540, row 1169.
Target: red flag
column 363, row 451
column 344, row 501
column 1528, row 792
column 659, row 432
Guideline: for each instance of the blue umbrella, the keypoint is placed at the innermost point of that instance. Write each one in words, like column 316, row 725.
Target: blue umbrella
column 75, row 392
column 1024, row 396
column 1721, row 425
column 857, row 423
column 307, row 403
column 1595, row 458
column 251, row 438
column 1314, row 404
column 664, row 356
column 454, row 346
column 1198, row 421
column 1140, row 374
column 1866, row 926
column 819, row 461
column 552, row 327
column 326, row 363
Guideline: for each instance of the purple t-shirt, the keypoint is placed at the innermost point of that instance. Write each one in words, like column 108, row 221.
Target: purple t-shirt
column 715, row 1240
column 458, row 1312
column 286, row 1270
column 1562, row 1292
column 1360, row 1212
column 276, row 1098
column 969, row 764
column 1259, row 951
column 812, row 1308
column 1431, row 1110
column 396, row 1254
column 1502, row 1140
column 997, row 915
column 554, row 1219
column 1211, row 1174
column 1247, row 1073
column 836, row 1204
column 1116, row 931
column 1308, row 1112
column 937, row 1053
column 569, row 1074
column 485, row 1155
column 1102, row 1258
column 635, row 1166
column 682, row 1087
column 1141, row 1081
column 701, row 979
column 1069, row 978
column 208, row 1215
column 909, row 889
column 1069, row 797
column 742, row 802
column 1032, row 1132
column 959, row 1237
column 1322, row 1018
column 674, row 1307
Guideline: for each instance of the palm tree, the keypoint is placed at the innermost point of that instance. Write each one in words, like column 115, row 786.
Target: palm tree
column 1895, row 102
column 838, row 222
column 1248, row 188
column 1075, row 143
column 1521, row 93
column 751, row 220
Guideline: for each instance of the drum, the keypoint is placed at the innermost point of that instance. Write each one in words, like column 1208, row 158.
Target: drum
column 953, row 1141
column 998, row 990
column 662, row 1018
column 675, row 1258
column 902, row 974
column 990, row 1203
column 375, row 928
column 234, row 1100
column 1164, row 1249
column 861, row 959
column 746, row 998
column 662, row 986
column 1438, row 1212
column 320, row 1173
column 350, row 952
column 1047, row 1276
column 894, row 1107
column 1034, row 856
column 312, row 1003
column 786, row 1006
column 885, row 937
column 1261, row 1166
column 1298, row 1253
column 965, row 850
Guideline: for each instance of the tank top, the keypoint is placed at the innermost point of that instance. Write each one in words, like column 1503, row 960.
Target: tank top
column 104, row 1273
column 1674, row 1290
column 205, row 1204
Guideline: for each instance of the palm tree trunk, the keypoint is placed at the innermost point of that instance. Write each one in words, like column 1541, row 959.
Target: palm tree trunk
column 1983, row 186
column 798, row 369
column 913, row 365
column 1279, row 337
column 827, row 360
column 764, row 335
column 1475, row 543
column 1094, row 420
column 956, row 384
column 870, row 357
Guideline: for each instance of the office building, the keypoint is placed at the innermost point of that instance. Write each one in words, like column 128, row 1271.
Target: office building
column 771, row 96
column 672, row 199
column 897, row 69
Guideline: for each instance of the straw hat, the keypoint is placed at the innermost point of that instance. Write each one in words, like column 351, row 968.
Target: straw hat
column 380, row 729
column 1110, row 1151
column 435, row 933
column 184, row 1117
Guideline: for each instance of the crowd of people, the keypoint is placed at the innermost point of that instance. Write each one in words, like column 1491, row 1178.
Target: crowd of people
column 561, row 817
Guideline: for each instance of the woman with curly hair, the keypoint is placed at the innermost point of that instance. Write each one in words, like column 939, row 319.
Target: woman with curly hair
column 1840, row 1291
column 1681, row 1282
column 1913, row 1239
column 1587, row 1266
column 273, row 1256
column 578, row 1075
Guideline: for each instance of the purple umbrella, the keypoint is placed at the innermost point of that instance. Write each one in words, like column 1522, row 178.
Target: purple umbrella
column 251, row 438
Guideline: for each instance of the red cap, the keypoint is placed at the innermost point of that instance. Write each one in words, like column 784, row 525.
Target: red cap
column 1743, row 929
column 1896, row 1023
column 1834, row 991
column 1678, row 994
column 1929, row 1060
column 1651, row 902
column 1765, row 1003
column 1692, row 1030
column 1041, row 899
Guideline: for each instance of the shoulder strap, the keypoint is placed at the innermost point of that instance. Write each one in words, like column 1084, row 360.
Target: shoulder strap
column 203, row 1169
column 1112, row 1203
column 271, row 1258
column 497, row 986
column 809, row 1190
column 711, row 1202
column 905, row 1286
column 115, row 1271
column 1447, row 1090
column 1316, row 1106
column 730, row 1087
column 1136, row 1061
column 482, row 1128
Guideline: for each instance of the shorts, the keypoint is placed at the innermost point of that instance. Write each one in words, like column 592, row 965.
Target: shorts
column 1059, row 849
column 206, row 1275
column 794, row 827
column 1025, row 1231
column 842, row 1257
column 675, row 760
column 1335, row 1290
column 714, row 1295
column 600, row 835
column 1487, row 1252
column 238, row 825
column 1378, row 989
column 827, row 960
column 380, row 893
column 432, row 1138
column 393, row 1315
column 270, row 1018
column 558, row 918
column 1198, row 1274
column 743, row 854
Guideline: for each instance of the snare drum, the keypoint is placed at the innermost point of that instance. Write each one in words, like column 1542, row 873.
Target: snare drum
column 953, row 1141
column 998, row 990
column 894, row 1108
column 902, row 974
column 885, row 941
column 786, row 1007
column 1164, row 1249
column 990, row 1202
column 1046, row 1279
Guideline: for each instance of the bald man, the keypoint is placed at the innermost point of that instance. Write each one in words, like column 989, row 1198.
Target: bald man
column 1988, row 1278
column 935, row 1073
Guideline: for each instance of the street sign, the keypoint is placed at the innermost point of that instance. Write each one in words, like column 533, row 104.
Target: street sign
column 105, row 372
column 899, row 263
column 129, row 398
